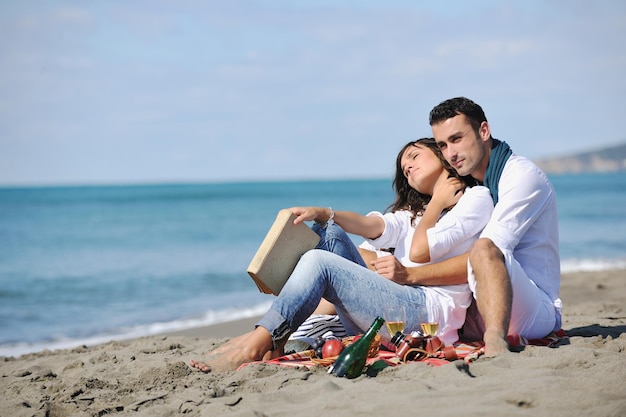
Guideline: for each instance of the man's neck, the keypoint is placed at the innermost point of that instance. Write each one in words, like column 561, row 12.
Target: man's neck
column 479, row 173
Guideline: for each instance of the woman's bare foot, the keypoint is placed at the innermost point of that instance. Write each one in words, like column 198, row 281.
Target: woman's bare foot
column 495, row 343
column 250, row 347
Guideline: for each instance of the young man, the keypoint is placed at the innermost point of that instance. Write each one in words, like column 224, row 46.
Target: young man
column 514, row 268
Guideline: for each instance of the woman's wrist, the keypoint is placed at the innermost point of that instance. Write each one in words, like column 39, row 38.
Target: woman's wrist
column 329, row 214
column 435, row 206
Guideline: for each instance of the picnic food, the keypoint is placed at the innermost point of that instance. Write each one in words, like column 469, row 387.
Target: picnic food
column 331, row 348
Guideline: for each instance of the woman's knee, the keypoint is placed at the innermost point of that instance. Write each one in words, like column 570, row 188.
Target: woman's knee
column 316, row 262
column 313, row 257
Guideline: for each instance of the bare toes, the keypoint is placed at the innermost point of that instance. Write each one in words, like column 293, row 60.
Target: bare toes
column 495, row 344
column 201, row 366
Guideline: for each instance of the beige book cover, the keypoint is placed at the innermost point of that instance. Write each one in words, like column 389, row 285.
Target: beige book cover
column 280, row 251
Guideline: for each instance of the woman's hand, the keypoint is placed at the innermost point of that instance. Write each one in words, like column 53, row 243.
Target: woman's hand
column 447, row 192
column 303, row 214
column 370, row 227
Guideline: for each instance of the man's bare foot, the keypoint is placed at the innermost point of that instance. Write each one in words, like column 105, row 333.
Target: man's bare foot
column 495, row 343
column 250, row 347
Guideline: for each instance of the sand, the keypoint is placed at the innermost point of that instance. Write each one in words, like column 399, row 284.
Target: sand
column 150, row 376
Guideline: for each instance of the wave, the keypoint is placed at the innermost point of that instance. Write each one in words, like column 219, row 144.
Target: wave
column 592, row 265
column 206, row 319
column 212, row 317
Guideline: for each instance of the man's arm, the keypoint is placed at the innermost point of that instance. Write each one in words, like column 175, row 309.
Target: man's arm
column 449, row 272
column 368, row 256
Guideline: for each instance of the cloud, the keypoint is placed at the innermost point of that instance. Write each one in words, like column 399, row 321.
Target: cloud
column 151, row 91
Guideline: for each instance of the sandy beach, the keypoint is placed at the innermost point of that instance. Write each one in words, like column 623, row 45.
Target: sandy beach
column 149, row 376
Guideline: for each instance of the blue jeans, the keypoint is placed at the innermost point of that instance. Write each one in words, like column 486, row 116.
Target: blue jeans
column 334, row 239
column 359, row 294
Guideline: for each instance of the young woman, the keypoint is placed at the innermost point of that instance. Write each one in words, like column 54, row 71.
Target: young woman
column 426, row 189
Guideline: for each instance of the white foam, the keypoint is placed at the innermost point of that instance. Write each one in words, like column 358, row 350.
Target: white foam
column 208, row 318
column 222, row 316
column 592, row 265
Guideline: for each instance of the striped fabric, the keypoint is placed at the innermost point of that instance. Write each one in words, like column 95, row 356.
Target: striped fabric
column 319, row 325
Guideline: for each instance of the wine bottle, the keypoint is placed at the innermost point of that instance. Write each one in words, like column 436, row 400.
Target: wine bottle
column 351, row 360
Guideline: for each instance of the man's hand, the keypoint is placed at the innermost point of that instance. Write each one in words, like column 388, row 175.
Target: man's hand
column 452, row 271
column 390, row 268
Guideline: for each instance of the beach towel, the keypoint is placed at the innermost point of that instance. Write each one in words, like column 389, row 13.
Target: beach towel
column 466, row 351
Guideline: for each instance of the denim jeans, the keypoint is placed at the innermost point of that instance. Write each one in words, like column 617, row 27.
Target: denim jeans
column 359, row 294
column 334, row 239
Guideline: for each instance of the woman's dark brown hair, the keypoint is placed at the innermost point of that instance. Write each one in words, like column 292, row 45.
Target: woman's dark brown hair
column 408, row 198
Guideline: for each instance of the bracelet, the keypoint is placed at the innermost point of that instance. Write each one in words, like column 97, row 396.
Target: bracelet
column 329, row 220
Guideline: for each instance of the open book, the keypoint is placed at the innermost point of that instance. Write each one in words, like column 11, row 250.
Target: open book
column 280, row 251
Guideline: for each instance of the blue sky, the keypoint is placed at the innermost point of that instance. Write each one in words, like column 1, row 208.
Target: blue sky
column 175, row 91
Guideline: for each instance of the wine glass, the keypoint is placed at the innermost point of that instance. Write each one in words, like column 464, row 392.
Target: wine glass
column 430, row 328
column 394, row 316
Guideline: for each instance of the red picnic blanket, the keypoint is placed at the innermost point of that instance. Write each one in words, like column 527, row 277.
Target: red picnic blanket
column 466, row 351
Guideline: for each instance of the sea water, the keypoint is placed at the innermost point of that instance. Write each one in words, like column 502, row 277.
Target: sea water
column 84, row 265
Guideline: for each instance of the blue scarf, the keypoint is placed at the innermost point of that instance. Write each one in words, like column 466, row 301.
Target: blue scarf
column 500, row 153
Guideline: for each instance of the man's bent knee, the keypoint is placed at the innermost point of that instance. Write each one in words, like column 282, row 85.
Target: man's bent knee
column 484, row 250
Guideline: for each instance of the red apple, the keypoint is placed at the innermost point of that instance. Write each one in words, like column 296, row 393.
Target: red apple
column 331, row 348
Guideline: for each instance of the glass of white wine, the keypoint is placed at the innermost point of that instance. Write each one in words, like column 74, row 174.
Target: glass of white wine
column 394, row 316
column 430, row 328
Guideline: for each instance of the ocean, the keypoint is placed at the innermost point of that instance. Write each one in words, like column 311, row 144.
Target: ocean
column 87, row 264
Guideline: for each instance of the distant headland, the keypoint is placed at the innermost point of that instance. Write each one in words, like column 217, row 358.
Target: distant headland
column 610, row 159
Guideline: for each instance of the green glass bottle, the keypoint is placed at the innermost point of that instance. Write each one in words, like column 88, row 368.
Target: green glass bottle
column 351, row 360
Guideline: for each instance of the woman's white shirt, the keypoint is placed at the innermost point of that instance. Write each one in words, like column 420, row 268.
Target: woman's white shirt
column 453, row 235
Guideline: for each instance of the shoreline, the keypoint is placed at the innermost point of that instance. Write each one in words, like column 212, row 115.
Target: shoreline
column 150, row 376
column 231, row 328
column 218, row 330
column 569, row 293
column 576, row 289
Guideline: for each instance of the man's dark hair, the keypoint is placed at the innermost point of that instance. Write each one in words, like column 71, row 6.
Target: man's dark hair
column 455, row 106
